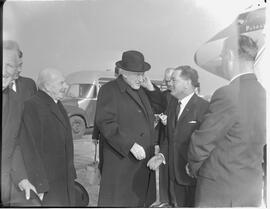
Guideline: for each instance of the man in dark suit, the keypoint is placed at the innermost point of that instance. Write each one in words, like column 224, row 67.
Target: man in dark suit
column 184, row 115
column 46, row 143
column 126, row 123
column 12, row 102
column 226, row 153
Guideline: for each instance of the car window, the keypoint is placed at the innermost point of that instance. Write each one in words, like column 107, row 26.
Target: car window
column 82, row 91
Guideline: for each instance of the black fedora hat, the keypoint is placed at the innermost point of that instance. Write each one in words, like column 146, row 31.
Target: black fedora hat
column 133, row 61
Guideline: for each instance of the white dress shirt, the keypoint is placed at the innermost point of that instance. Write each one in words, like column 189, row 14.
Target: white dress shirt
column 184, row 102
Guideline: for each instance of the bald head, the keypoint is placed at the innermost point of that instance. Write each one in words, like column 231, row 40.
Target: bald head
column 52, row 82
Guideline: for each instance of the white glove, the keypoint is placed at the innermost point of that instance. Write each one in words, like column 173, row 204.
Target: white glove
column 138, row 151
column 26, row 186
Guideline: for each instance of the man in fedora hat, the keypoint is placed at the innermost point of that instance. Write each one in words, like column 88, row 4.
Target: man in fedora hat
column 126, row 123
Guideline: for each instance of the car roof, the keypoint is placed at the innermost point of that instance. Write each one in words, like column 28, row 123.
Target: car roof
column 87, row 76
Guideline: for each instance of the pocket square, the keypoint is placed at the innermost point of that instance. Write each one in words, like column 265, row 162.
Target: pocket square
column 192, row 121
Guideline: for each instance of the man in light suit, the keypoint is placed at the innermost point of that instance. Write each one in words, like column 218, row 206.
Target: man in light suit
column 226, row 153
column 184, row 115
column 126, row 123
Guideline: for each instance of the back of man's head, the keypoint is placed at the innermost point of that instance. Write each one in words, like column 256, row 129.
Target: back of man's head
column 244, row 47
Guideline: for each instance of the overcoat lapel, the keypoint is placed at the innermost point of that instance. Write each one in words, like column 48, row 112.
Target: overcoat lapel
column 136, row 98
column 146, row 105
column 55, row 110
column 53, row 107
column 124, row 87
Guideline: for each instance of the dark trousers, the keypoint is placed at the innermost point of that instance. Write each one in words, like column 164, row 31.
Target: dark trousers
column 181, row 195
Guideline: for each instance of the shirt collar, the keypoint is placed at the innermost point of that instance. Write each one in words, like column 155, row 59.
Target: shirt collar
column 13, row 85
column 186, row 99
column 235, row 77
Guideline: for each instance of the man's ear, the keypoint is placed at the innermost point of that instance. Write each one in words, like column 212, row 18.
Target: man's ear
column 188, row 83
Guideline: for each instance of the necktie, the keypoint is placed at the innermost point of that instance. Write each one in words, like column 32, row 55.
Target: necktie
column 177, row 111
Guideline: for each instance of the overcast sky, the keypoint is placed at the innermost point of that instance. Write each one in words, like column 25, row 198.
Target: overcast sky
column 92, row 34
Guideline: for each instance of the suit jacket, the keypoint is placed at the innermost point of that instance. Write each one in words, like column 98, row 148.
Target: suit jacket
column 178, row 136
column 227, row 152
column 46, row 143
column 124, row 116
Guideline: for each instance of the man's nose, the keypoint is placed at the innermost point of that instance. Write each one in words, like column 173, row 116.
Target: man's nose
column 140, row 78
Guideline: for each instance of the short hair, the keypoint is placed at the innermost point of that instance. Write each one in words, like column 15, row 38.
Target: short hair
column 188, row 72
column 45, row 77
column 244, row 46
column 12, row 45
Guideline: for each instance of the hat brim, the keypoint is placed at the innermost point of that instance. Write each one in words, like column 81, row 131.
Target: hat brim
column 146, row 67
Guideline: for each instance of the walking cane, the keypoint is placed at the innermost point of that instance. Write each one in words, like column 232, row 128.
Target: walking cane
column 157, row 203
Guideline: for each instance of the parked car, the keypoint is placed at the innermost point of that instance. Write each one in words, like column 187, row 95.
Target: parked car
column 81, row 96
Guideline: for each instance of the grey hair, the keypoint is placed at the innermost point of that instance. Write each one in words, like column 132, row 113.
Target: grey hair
column 45, row 77
column 12, row 45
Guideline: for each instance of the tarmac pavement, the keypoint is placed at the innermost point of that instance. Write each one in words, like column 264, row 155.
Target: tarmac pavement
column 86, row 167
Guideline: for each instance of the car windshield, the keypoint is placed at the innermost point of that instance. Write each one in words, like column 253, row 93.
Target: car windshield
column 82, row 91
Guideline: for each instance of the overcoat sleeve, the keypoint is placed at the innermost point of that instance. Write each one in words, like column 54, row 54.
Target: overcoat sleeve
column 157, row 100
column 30, row 141
column 219, row 119
column 106, row 119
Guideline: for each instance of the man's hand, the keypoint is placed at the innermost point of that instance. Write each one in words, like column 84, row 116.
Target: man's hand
column 155, row 162
column 138, row 151
column 146, row 83
column 188, row 171
column 26, row 186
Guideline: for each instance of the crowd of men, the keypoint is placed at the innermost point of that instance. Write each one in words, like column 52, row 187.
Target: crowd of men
column 209, row 154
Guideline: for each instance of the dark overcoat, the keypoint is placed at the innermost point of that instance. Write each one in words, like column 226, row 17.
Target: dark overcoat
column 47, row 148
column 124, row 117
column 12, row 105
column 226, row 153
column 25, row 88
